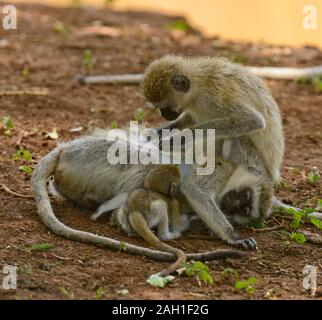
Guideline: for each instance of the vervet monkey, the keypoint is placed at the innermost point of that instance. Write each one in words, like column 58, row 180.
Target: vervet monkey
column 216, row 93
column 83, row 175
column 155, row 207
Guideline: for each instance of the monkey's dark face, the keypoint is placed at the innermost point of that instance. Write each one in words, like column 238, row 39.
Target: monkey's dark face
column 163, row 86
column 236, row 204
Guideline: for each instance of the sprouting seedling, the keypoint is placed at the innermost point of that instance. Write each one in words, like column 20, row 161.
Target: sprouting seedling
column 313, row 176
column 317, row 223
column 122, row 246
column 317, row 83
column 179, row 24
column 61, row 28
column 88, row 62
column 298, row 237
column 100, row 292
column 26, row 169
column 139, row 115
column 256, row 223
column 114, row 125
column 236, row 58
column 25, row 72
column 22, row 154
column 246, row 285
column 6, row 124
column 199, row 270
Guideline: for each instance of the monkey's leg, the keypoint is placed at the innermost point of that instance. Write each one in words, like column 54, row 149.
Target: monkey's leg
column 110, row 205
column 278, row 204
column 210, row 213
column 140, row 226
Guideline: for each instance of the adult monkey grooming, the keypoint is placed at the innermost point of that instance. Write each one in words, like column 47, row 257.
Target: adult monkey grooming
column 205, row 92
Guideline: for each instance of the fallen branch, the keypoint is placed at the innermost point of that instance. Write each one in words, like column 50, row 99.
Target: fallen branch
column 6, row 189
column 265, row 72
column 24, row 92
column 268, row 229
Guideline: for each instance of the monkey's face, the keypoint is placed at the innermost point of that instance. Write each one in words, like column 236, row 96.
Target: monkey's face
column 238, row 206
column 164, row 86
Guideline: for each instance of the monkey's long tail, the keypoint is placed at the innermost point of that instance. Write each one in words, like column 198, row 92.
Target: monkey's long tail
column 46, row 167
column 140, row 226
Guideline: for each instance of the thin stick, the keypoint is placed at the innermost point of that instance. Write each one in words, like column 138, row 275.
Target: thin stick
column 6, row 189
column 265, row 72
column 24, row 92
column 268, row 229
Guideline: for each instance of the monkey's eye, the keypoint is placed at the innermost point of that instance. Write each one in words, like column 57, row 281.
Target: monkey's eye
column 180, row 83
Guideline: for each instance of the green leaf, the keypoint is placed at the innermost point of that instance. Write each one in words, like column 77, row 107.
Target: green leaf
column 40, row 247
column 246, row 285
column 199, row 269
column 7, row 122
column 100, row 292
column 122, row 246
column 313, row 177
column 139, row 115
column 319, row 206
column 317, row 222
column 180, row 24
column 60, row 28
column 158, row 281
column 88, row 60
column 25, row 169
column 298, row 237
column 22, row 154
column 25, row 72
column 256, row 223
column 297, row 219
column 114, row 125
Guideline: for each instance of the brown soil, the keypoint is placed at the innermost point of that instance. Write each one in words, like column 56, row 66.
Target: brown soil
column 73, row 270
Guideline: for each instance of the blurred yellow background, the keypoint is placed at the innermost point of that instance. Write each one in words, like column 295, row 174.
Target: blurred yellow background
column 270, row 21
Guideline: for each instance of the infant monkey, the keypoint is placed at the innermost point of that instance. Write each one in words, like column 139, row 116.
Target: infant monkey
column 154, row 207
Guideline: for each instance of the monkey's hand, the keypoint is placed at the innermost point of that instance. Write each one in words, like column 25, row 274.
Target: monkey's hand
column 208, row 211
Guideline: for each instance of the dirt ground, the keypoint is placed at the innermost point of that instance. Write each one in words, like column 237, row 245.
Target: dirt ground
column 50, row 60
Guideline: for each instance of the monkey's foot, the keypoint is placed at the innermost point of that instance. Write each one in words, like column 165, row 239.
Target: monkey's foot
column 170, row 235
column 246, row 244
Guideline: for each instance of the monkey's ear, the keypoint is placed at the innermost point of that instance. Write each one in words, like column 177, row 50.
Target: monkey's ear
column 180, row 83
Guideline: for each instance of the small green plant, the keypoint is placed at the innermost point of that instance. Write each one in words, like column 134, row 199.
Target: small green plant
column 237, row 59
column 67, row 294
column 6, row 124
column 256, row 223
column 100, row 292
column 158, row 281
column 25, row 72
column 114, row 125
column 139, row 115
column 313, row 176
column 26, row 169
column 298, row 237
column 246, row 285
column 60, row 28
column 179, row 24
column 317, row 223
column 88, row 61
column 22, row 154
column 40, row 247
column 122, row 246
column 319, row 206
column 199, row 270
column 317, row 83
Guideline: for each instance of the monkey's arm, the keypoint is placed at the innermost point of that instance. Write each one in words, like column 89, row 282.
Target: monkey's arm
column 183, row 121
column 207, row 209
column 241, row 122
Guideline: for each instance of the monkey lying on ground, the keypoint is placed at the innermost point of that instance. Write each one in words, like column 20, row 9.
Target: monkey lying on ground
column 155, row 207
column 83, row 176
